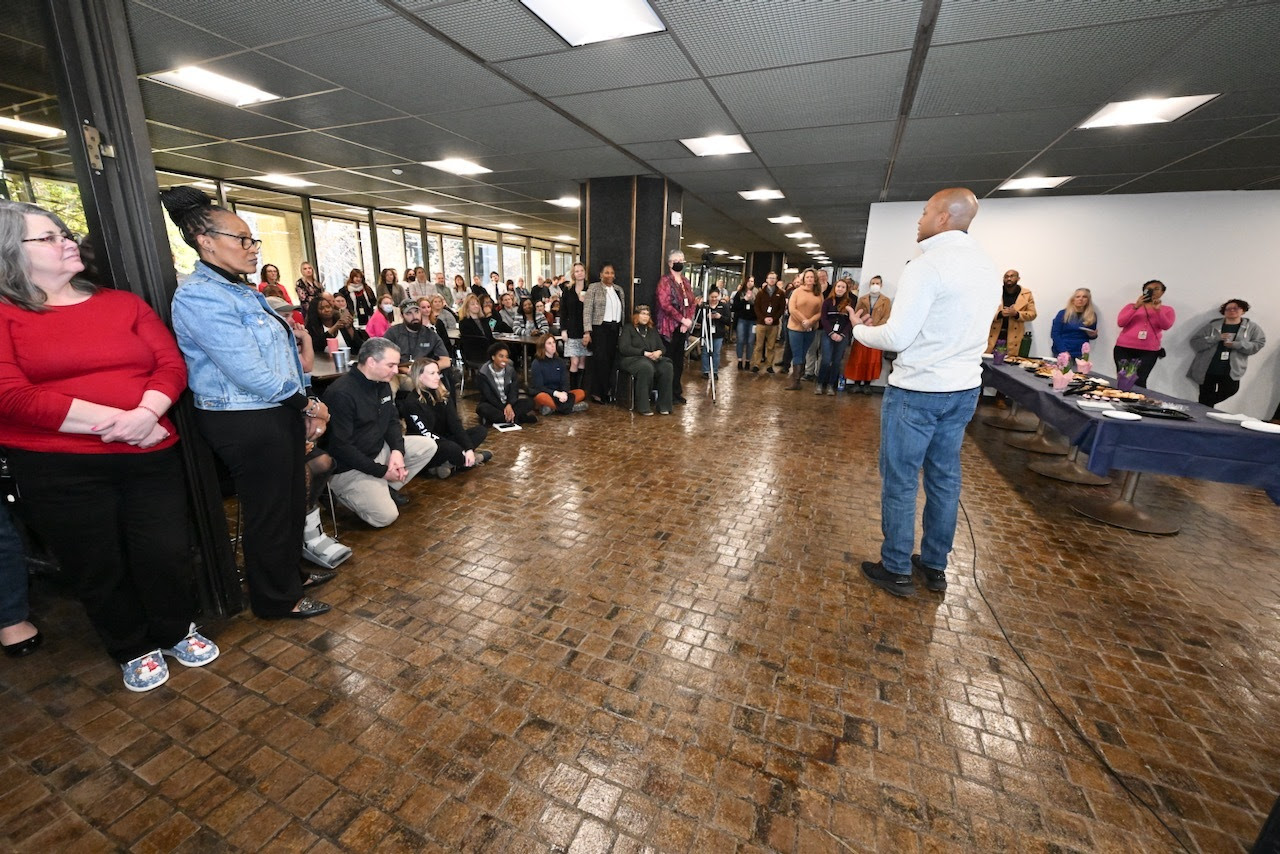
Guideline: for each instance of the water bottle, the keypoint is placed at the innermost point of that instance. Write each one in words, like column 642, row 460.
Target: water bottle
column 841, row 384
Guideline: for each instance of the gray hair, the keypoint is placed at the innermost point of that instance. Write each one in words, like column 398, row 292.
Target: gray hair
column 16, row 287
column 374, row 348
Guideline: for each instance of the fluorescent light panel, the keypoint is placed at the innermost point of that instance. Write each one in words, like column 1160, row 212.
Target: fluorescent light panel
column 736, row 258
column 31, row 128
column 799, row 235
column 566, row 202
column 705, row 146
column 509, row 226
column 457, row 166
column 285, row 180
column 581, row 22
column 564, row 237
column 760, row 195
column 809, row 245
column 1035, row 183
column 699, row 245
column 422, row 209
column 1145, row 111
column 210, row 85
column 785, row 220
column 720, row 252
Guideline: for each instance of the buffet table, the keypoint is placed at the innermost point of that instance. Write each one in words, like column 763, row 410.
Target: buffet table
column 1201, row 448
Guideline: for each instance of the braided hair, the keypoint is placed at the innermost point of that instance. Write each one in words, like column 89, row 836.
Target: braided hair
column 191, row 211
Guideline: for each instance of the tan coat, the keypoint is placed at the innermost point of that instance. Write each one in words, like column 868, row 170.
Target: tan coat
column 881, row 313
column 1026, row 306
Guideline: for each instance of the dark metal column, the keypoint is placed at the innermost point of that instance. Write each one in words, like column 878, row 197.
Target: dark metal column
column 91, row 57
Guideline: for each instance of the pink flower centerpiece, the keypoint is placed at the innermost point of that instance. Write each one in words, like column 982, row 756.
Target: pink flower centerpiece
column 1083, row 365
column 1061, row 372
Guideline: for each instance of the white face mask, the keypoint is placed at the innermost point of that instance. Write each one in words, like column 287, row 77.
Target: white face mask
column 388, row 308
column 875, row 289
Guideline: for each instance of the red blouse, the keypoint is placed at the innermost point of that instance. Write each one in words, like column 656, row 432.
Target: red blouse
column 109, row 350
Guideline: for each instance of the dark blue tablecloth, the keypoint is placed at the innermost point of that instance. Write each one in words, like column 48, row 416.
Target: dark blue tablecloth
column 1201, row 448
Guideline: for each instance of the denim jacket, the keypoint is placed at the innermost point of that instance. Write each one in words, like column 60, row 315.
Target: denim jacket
column 239, row 356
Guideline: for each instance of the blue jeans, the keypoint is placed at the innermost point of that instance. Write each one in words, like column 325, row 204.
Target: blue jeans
column 800, row 344
column 13, row 574
column 746, row 338
column 712, row 357
column 833, row 355
column 921, row 430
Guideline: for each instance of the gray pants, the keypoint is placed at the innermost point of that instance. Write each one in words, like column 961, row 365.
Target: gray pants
column 367, row 495
column 647, row 374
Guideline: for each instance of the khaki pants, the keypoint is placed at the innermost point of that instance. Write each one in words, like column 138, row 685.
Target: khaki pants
column 766, row 351
column 367, row 495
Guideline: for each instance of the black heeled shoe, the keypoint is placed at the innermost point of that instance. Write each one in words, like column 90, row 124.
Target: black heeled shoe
column 24, row 647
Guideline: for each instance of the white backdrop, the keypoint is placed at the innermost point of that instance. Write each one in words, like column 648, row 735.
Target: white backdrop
column 1205, row 247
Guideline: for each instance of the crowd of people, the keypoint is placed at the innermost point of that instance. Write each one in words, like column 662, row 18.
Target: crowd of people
column 85, row 430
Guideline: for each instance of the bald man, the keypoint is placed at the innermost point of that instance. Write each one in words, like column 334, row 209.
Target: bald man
column 939, row 328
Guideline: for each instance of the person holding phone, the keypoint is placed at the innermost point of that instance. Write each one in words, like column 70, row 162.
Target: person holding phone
column 1142, row 323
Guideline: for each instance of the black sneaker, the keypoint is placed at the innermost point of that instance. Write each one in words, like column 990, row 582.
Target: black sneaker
column 755, row 369
column 397, row 498
column 934, row 579
column 898, row 585
column 767, row 370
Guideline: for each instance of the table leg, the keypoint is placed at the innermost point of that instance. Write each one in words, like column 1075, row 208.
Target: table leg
column 1068, row 469
column 1039, row 442
column 1122, row 512
column 1015, row 420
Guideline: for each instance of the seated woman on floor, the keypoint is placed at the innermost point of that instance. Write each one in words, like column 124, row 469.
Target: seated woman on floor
column 549, row 381
column 425, row 408
column 499, row 392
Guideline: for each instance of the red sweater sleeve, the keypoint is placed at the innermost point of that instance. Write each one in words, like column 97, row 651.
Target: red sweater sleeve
column 21, row 401
column 170, row 374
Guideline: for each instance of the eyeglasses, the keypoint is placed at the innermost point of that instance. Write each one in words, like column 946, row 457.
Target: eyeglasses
column 55, row 239
column 245, row 242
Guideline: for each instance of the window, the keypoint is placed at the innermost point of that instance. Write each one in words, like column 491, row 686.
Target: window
column 337, row 250
column 539, row 264
column 455, row 258
column 63, row 198
column 564, row 261
column 413, row 249
column 435, row 263
column 512, row 262
column 366, row 255
column 281, row 236
column 391, row 249
column 484, row 258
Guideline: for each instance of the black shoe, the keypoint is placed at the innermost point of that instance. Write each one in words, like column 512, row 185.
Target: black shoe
column 767, row 370
column 898, row 585
column 441, row 471
column 755, row 369
column 318, row 577
column 483, row 457
column 528, row 418
column 934, row 579
column 23, row 647
column 400, row 500
column 679, row 398
column 307, row 608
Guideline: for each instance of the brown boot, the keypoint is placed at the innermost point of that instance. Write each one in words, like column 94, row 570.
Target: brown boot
column 796, row 372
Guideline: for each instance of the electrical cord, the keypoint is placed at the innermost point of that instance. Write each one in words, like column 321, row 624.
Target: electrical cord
column 1071, row 724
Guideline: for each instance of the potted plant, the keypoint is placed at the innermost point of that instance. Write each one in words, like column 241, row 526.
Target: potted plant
column 1083, row 365
column 1127, row 374
column 1001, row 350
column 1060, row 372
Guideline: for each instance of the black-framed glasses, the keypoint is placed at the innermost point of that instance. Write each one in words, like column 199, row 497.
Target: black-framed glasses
column 55, row 239
column 245, row 242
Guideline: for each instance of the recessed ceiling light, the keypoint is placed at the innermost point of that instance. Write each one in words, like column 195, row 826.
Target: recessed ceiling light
column 1145, row 111
column 397, row 171
column 799, row 235
column 817, row 252
column 507, row 225
column 31, row 128
column 699, row 245
column 215, row 86
column 457, row 166
column 736, row 258
column 809, row 245
column 564, row 237
column 422, row 209
column 360, row 211
column 784, row 220
column 582, row 22
column 720, row 252
column 566, row 202
column 1034, row 183
column 705, row 146
column 760, row 195
column 285, row 180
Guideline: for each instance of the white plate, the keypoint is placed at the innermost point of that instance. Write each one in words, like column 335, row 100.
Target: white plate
column 1096, row 404
column 987, row 356
column 1227, row 416
column 1261, row 426
column 1122, row 415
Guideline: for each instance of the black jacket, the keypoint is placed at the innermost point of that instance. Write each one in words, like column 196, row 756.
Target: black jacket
column 475, row 338
column 489, row 388
column 437, row 420
column 362, row 418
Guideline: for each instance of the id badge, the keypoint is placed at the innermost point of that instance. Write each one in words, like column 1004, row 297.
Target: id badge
column 1142, row 335
column 1224, row 356
column 686, row 302
column 768, row 309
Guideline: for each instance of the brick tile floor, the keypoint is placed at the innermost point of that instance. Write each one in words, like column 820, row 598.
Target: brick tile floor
column 634, row 635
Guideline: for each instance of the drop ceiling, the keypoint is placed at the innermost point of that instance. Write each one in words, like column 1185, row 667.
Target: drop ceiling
column 844, row 103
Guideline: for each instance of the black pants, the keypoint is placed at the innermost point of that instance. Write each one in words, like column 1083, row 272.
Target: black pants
column 601, row 365
column 118, row 525
column 449, row 451
column 263, row 449
column 1214, row 390
column 1146, row 361
column 675, row 352
column 491, row 414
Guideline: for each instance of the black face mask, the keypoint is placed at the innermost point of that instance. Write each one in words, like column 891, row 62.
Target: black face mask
column 678, row 266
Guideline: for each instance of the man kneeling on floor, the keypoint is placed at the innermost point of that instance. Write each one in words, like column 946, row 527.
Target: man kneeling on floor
column 374, row 458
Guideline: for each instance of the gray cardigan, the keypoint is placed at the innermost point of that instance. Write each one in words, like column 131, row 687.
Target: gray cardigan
column 1249, row 340
column 594, row 303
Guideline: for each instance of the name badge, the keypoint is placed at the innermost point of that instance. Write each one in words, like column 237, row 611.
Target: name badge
column 1224, row 356
column 1142, row 335
column 686, row 302
column 768, row 310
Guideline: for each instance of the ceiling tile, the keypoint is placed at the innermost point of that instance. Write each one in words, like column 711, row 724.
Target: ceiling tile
column 992, row 19
column 1245, row 177
column 523, row 126
column 270, row 22
column 1261, row 151
column 494, row 30
column 616, row 64
column 646, row 113
column 1102, row 160
column 181, row 45
column 321, row 148
column 182, row 109
column 962, row 168
column 1024, row 130
column 824, row 145
column 412, row 139
column 327, row 109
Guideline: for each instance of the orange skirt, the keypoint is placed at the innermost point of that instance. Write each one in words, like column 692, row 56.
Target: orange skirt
column 864, row 363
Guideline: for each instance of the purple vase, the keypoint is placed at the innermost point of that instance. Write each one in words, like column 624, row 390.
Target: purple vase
column 1126, row 382
column 997, row 358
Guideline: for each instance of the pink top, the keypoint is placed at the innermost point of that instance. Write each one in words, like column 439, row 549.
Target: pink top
column 378, row 324
column 1136, row 321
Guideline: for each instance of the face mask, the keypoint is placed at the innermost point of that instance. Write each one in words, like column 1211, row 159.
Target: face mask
column 388, row 308
column 875, row 289
column 678, row 266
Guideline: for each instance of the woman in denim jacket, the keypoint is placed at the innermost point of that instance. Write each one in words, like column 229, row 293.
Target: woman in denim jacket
column 251, row 404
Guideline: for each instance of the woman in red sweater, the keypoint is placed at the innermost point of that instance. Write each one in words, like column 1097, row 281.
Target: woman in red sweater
column 86, row 379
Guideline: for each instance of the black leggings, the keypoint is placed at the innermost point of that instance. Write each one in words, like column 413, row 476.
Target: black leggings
column 493, row 415
column 320, row 467
column 449, row 451
column 1214, row 390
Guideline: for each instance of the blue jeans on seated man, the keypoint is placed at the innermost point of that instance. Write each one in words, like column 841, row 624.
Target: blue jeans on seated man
column 921, row 430
column 713, row 357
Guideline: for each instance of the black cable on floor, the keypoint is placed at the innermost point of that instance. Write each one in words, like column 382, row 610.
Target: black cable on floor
column 1071, row 724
